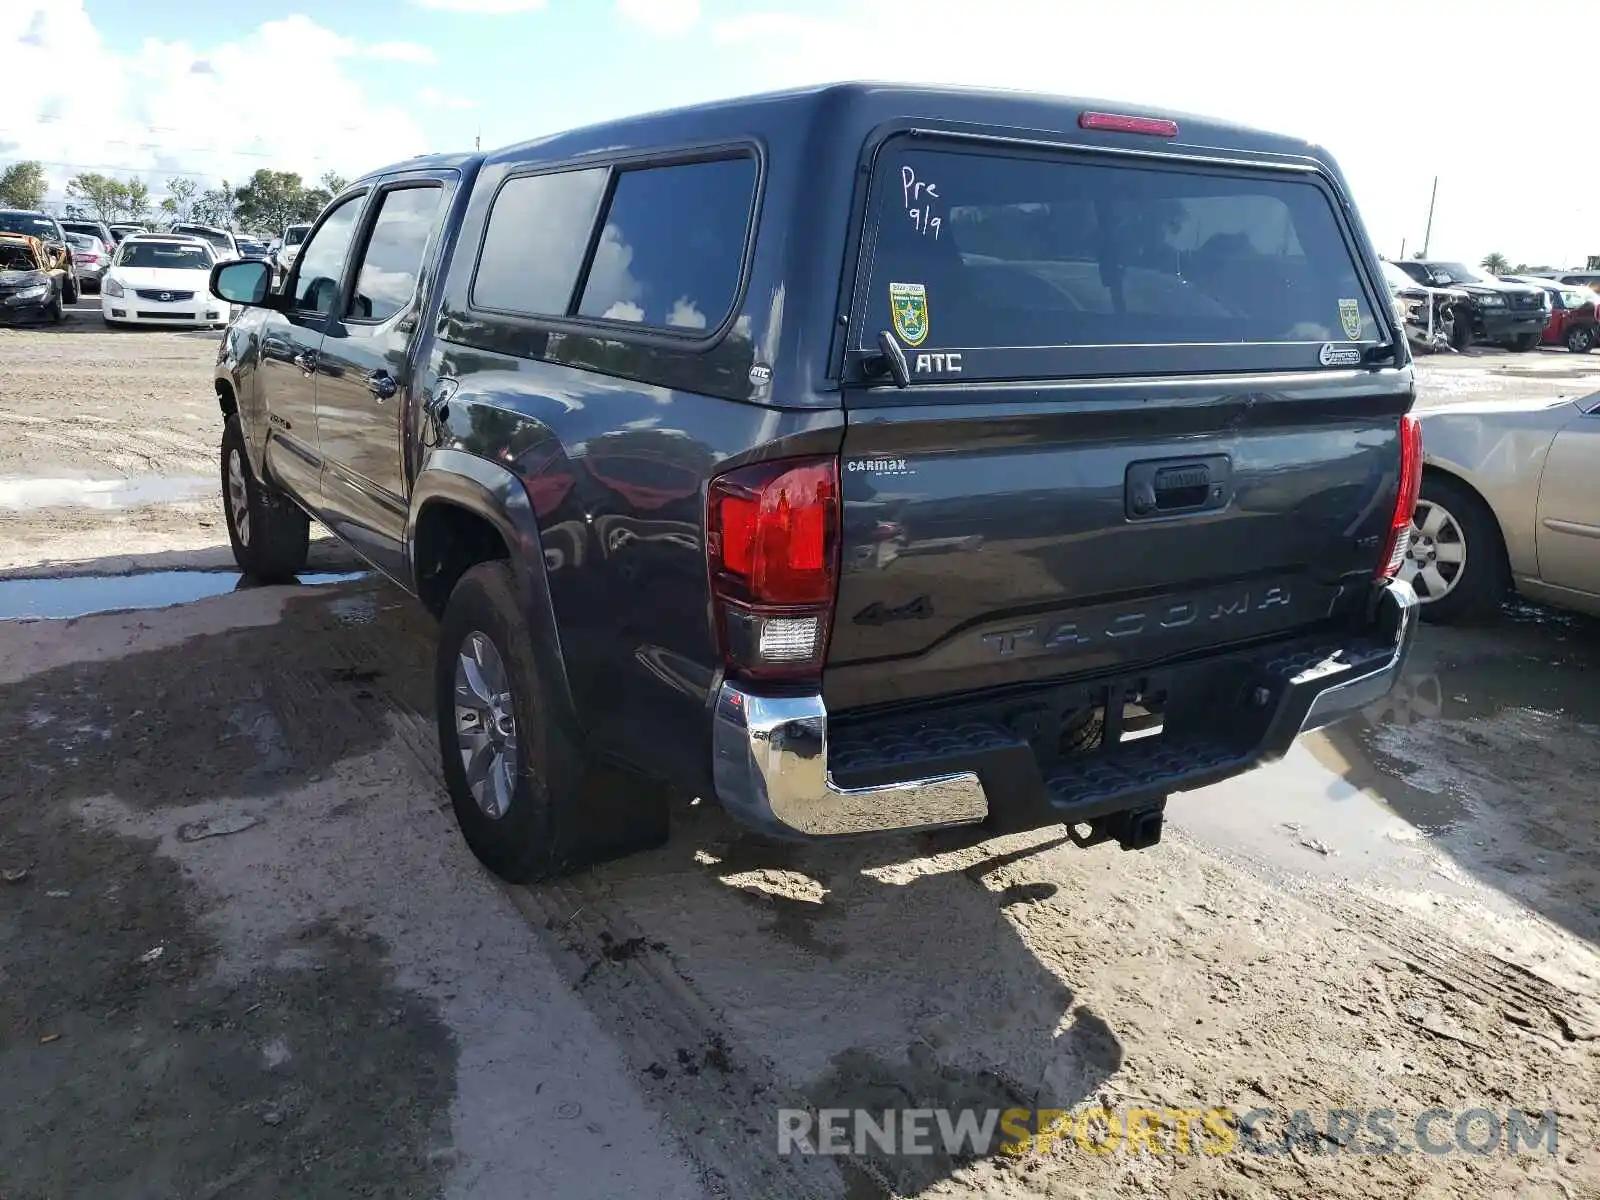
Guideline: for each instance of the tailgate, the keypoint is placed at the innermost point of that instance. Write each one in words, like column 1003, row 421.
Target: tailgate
column 1146, row 407
column 992, row 542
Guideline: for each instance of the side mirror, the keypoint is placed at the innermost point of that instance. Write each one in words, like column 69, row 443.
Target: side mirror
column 242, row 281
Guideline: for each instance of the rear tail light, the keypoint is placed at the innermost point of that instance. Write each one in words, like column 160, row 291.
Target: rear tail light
column 772, row 539
column 1405, row 502
column 1122, row 123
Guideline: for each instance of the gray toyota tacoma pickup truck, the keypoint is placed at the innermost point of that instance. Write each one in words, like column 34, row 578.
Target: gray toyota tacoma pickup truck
column 866, row 458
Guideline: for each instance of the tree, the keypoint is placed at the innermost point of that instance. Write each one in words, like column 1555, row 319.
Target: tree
column 271, row 200
column 333, row 183
column 180, row 198
column 215, row 206
column 22, row 185
column 106, row 198
column 137, row 205
column 1496, row 264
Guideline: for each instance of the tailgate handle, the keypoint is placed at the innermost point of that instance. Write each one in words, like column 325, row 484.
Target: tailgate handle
column 1180, row 487
column 1166, row 487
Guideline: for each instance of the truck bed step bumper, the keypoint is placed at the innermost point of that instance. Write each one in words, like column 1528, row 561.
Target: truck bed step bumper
column 778, row 770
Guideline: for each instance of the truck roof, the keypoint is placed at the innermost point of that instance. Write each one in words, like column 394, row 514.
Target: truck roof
column 422, row 162
column 864, row 105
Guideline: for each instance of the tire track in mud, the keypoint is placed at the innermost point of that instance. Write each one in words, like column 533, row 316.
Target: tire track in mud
column 1520, row 996
column 721, row 1100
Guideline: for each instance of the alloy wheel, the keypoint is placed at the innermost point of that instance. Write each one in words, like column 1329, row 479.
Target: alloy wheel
column 486, row 725
column 1436, row 559
column 238, row 497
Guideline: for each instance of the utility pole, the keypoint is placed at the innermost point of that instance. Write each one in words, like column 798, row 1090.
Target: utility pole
column 1402, row 250
column 477, row 140
column 1428, row 235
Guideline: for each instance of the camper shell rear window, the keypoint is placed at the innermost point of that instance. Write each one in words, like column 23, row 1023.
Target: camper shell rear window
column 1037, row 264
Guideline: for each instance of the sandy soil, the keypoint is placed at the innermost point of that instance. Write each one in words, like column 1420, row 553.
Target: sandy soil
column 243, row 952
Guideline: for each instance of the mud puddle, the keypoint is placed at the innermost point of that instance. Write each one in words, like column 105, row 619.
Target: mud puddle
column 1470, row 780
column 84, row 595
column 26, row 493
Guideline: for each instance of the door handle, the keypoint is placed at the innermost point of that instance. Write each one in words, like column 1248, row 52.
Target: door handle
column 382, row 385
column 306, row 360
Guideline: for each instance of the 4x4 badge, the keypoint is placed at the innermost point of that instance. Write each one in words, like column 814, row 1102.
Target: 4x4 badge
column 909, row 304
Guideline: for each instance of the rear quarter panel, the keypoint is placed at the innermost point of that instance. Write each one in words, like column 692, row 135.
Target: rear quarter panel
column 1499, row 451
column 616, row 473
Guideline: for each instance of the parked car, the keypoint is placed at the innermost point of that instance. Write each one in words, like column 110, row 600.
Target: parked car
column 288, row 246
column 161, row 279
column 95, row 229
column 31, row 286
column 1097, row 595
column 121, row 231
column 253, row 248
column 221, row 240
column 91, row 258
column 48, row 230
column 1429, row 313
column 1506, row 314
column 1588, row 279
column 1572, row 313
column 1510, row 502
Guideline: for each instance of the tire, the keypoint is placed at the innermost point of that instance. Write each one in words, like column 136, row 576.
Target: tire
column 270, row 535
column 1580, row 339
column 1449, row 514
column 524, row 827
column 71, row 290
column 58, row 311
column 1461, row 331
column 1524, row 342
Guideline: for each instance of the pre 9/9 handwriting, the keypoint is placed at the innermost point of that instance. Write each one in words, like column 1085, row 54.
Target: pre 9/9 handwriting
column 917, row 197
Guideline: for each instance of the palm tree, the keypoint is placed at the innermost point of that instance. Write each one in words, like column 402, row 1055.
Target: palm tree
column 1496, row 264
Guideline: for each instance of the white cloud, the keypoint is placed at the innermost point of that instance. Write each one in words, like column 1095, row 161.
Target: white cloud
column 405, row 52
column 492, row 8
column 623, row 310
column 759, row 26
column 432, row 97
column 686, row 314
column 206, row 111
column 666, row 18
column 1510, row 180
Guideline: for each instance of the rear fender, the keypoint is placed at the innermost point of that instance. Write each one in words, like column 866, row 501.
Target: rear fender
column 494, row 493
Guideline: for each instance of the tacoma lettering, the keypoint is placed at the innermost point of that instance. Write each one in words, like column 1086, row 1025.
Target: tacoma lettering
column 1118, row 626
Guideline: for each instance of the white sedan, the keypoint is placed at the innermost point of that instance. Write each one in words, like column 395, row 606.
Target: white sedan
column 161, row 279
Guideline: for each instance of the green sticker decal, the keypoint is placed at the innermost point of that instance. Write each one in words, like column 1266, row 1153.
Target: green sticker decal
column 909, row 304
column 1350, row 318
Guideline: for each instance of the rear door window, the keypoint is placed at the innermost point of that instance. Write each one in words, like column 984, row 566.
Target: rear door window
column 407, row 219
column 988, row 251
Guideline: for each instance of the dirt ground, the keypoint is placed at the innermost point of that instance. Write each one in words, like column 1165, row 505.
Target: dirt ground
column 243, row 952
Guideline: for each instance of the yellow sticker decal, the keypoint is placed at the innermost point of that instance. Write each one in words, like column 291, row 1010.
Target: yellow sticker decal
column 908, row 303
column 1350, row 319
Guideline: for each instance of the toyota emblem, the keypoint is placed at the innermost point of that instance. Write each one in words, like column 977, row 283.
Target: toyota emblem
column 166, row 295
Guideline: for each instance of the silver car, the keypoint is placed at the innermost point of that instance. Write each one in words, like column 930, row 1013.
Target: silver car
column 1510, row 501
column 91, row 256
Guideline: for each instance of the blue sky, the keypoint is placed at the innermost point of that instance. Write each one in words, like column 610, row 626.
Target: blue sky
column 215, row 90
